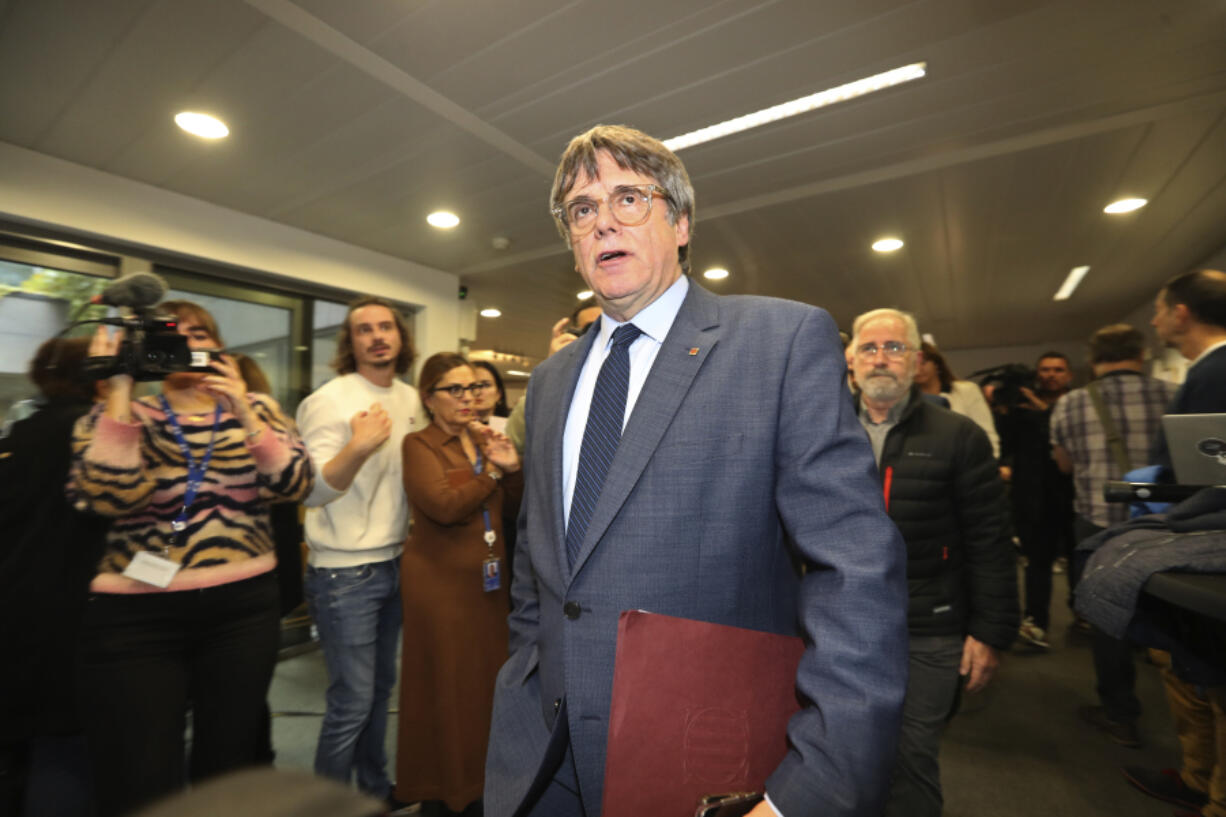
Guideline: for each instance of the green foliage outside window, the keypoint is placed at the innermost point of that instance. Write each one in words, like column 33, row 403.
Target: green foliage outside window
column 72, row 287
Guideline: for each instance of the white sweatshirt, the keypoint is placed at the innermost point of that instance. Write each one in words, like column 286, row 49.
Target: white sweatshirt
column 368, row 522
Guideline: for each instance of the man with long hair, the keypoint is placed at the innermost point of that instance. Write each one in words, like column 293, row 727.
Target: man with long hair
column 356, row 522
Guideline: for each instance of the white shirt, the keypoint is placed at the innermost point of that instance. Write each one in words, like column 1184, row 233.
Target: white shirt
column 654, row 320
column 368, row 522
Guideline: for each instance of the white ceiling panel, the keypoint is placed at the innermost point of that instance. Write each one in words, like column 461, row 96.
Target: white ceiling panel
column 354, row 120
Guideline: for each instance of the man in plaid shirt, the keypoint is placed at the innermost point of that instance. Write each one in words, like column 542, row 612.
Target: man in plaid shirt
column 1135, row 403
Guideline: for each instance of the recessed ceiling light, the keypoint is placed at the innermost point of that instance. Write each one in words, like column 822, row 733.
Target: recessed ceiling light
column 491, row 313
column 1070, row 283
column 804, row 104
column 202, row 125
column 584, row 295
column 715, row 273
column 517, row 373
column 1125, row 206
column 887, row 244
column 443, row 219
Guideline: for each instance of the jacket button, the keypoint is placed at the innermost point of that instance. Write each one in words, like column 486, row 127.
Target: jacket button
column 557, row 704
column 571, row 610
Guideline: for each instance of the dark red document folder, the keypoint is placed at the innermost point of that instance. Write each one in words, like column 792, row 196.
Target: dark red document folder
column 697, row 709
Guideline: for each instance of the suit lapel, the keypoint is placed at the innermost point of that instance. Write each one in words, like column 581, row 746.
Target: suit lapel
column 693, row 335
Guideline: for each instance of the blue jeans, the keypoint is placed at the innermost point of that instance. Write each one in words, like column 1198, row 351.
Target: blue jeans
column 357, row 612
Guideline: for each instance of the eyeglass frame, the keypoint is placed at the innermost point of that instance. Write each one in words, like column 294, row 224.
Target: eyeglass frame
column 862, row 352
column 653, row 191
column 455, row 390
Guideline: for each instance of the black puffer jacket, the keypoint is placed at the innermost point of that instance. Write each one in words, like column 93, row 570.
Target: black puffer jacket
column 944, row 492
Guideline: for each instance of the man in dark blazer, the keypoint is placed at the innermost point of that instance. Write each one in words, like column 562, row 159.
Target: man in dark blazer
column 739, row 457
column 1190, row 315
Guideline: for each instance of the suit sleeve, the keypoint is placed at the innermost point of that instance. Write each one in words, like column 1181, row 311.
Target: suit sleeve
column 853, row 597
column 990, row 565
column 525, row 607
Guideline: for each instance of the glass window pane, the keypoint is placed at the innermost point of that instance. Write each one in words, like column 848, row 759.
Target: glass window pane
column 329, row 315
column 35, row 304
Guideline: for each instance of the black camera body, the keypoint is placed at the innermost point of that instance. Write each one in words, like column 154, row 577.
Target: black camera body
column 1008, row 380
column 151, row 349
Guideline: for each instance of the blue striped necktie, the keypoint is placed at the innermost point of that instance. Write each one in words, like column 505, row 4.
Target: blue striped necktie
column 605, row 418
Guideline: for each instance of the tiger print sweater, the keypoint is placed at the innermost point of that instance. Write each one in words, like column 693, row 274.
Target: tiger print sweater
column 135, row 472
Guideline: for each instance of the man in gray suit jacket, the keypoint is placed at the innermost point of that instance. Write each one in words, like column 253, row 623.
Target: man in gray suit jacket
column 686, row 465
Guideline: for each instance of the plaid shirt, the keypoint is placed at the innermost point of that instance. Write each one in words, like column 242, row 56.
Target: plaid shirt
column 1136, row 403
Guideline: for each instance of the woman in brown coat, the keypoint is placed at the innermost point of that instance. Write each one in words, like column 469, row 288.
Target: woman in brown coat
column 458, row 474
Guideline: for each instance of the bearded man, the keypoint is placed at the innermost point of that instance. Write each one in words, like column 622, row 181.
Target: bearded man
column 943, row 491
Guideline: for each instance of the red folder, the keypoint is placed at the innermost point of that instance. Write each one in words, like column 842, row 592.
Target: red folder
column 698, row 709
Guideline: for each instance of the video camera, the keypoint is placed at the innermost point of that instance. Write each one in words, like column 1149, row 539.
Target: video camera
column 152, row 347
column 1007, row 381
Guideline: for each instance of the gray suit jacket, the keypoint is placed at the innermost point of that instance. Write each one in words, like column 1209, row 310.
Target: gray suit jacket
column 742, row 457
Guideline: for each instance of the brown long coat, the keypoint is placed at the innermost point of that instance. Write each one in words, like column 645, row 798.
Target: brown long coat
column 455, row 633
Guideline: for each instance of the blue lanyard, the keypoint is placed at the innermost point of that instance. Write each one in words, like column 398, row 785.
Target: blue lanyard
column 195, row 471
column 485, row 508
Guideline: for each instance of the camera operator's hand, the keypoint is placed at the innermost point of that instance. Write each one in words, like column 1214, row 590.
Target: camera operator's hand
column 1033, row 399
column 119, row 396
column 229, row 389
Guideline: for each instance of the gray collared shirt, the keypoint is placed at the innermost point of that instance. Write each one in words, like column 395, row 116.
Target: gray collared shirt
column 877, row 431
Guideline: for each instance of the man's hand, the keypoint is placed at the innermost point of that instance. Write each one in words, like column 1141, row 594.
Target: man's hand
column 763, row 809
column 979, row 663
column 559, row 337
column 370, row 428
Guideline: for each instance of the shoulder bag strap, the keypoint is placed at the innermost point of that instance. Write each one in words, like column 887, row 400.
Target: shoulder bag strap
column 1114, row 441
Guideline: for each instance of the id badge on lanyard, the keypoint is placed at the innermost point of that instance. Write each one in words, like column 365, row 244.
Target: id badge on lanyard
column 151, row 568
column 491, row 567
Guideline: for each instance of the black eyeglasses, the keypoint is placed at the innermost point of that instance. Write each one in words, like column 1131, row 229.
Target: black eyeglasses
column 457, row 391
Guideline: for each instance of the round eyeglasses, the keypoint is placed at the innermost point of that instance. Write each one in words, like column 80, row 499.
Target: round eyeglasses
column 892, row 348
column 630, row 205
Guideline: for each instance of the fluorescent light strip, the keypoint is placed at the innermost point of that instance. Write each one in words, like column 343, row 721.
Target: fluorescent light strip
column 821, row 99
column 1070, row 283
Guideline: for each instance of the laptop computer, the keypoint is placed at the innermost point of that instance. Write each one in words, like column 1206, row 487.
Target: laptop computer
column 1197, row 443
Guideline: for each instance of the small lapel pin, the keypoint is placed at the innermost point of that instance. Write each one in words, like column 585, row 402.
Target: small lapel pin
column 693, row 351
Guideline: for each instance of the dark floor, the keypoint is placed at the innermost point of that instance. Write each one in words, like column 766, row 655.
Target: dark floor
column 1018, row 749
column 1015, row 750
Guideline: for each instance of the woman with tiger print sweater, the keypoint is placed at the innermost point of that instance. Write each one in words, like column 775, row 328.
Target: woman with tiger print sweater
column 183, row 609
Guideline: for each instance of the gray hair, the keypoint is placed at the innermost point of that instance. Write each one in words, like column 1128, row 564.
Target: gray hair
column 910, row 327
column 632, row 150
